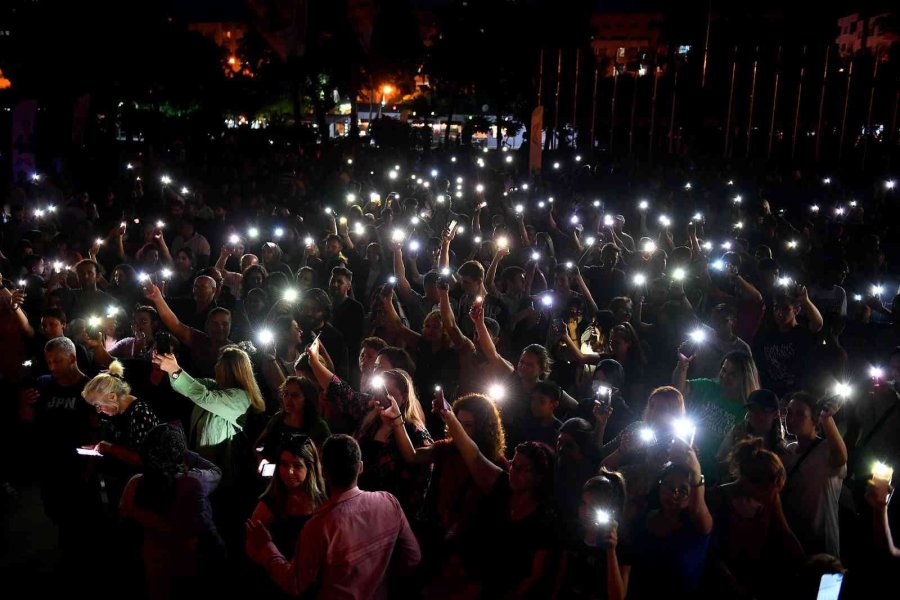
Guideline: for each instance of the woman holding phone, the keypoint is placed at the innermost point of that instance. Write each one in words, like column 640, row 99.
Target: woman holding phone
column 385, row 468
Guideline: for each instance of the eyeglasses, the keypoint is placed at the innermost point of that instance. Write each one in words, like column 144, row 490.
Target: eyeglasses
column 681, row 491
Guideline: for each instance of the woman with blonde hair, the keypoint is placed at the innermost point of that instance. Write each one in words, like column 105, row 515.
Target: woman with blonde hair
column 385, row 468
column 295, row 491
column 219, row 405
column 130, row 419
column 717, row 404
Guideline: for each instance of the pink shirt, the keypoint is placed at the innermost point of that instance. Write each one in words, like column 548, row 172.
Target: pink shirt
column 347, row 548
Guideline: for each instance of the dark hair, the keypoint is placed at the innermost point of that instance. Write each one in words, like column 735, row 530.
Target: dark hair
column 302, row 447
column 187, row 252
column 473, row 269
column 613, row 372
column 217, row 311
column 804, row 398
column 580, row 431
column 341, row 458
column 54, row 313
column 510, row 273
column 752, row 461
column 492, row 326
column 542, row 355
column 543, row 459
column 726, row 310
column 311, row 414
column 375, row 343
column 163, row 453
column 342, row 272
column 320, row 297
column 154, row 315
column 488, row 435
column 549, row 389
column 400, row 359
column 611, row 485
column 668, row 469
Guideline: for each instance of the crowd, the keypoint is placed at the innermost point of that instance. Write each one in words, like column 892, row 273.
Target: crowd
column 430, row 376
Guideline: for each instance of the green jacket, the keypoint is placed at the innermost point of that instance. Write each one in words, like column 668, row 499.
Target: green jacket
column 214, row 420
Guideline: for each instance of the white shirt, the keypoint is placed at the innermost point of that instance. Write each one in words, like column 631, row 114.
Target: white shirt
column 811, row 497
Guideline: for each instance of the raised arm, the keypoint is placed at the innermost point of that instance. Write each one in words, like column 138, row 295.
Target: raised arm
column 524, row 240
column 178, row 329
column 815, row 317
column 412, row 455
column 589, row 299
column 459, row 340
column 476, row 313
column 490, row 276
column 837, row 450
column 16, row 298
column 483, row 471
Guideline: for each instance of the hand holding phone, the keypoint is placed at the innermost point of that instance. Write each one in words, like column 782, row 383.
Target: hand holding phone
column 439, row 405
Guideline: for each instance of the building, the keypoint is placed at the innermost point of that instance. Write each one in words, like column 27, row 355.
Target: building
column 872, row 33
column 627, row 41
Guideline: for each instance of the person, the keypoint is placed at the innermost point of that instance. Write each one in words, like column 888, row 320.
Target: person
column 543, row 426
column 169, row 501
column 719, row 340
column 783, row 353
column 131, row 419
column 717, row 404
column 668, row 543
column 88, row 299
column 517, row 516
column 590, row 567
column 144, row 327
column 299, row 414
column 348, row 314
column 188, row 238
column 816, row 467
column 64, row 422
column 314, row 316
column 220, row 406
column 204, row 346
column 278, row 358
column 750, row 532
column 664, row 406
column 351, row 543
column 295, row 491
column 369, row 352
column 763, row 419
column 387, row 469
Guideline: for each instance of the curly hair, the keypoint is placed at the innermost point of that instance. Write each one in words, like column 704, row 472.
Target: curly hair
column 163, row 453
column 489, row 435
column 751, row 461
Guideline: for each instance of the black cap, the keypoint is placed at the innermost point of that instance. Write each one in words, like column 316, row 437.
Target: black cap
column 765, row 399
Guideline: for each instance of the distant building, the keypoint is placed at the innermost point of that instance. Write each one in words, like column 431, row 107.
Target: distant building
column 872, row 33
column 627, row 41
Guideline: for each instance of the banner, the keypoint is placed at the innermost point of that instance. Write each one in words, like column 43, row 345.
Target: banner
column 536, row 139
column 23, row 142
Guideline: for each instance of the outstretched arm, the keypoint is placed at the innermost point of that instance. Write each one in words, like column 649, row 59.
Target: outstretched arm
column 178, row 329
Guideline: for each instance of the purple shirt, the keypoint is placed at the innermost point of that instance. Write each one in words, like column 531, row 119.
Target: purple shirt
column 347, row 548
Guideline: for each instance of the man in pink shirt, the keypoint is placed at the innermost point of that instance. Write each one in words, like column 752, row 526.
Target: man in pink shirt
column 351, row 543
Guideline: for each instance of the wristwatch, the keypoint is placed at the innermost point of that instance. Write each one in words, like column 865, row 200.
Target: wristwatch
column 700, row 483
column 177, row 374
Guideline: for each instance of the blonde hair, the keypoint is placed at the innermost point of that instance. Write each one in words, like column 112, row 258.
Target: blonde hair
column 110, row 382
column 233, row 370
column 409, row 404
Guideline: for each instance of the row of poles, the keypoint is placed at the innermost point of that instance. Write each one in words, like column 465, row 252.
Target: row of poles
column 727, row 141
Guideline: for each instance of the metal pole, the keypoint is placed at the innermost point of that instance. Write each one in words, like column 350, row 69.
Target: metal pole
column 653, row 114
column 594, row 105
column 752, row 99
column 774, row 104
column 540, row 78
column 730, row 104
column 575, row 99
column 844, row 115
column 612, row 112
column 634, row 91
column 672, row 113
column 822, row 103
column 869, row 114
column 706, row 45
column 797, row 109
column 556, row 106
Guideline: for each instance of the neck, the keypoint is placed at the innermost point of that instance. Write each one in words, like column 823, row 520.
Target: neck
column 805, row 440
column 784, row 328
column 202, row 305
column 521, row 503
column 294, row 420
column 70, row 377
column 125, row 402
column 546, row 421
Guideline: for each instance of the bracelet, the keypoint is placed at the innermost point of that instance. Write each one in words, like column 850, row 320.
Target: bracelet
column 399, row 417
column 700, row 483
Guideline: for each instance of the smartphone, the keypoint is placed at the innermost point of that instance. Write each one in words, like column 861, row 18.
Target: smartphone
column 87, row 452
column 440, row 402
column 452, row 227
column 830, row 586
column 268, row 470
column 163, row 343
